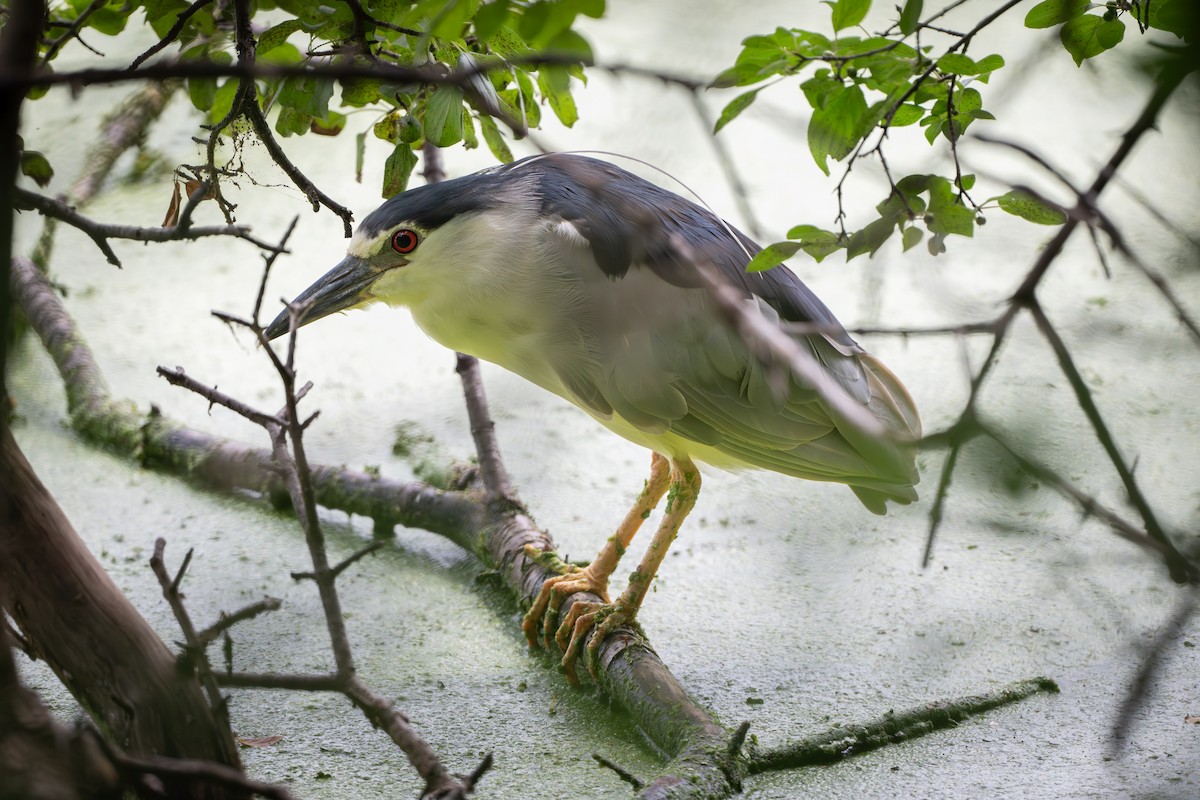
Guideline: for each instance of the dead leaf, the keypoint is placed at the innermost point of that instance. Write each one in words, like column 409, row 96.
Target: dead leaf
column 193, row 185
column 172, row 217
column 262, row 741
column 1192, row 719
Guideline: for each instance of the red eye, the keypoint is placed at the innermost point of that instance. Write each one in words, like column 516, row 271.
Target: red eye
column 404, row 241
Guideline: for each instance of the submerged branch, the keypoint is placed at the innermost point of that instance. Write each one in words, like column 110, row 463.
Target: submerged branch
column 842, row 743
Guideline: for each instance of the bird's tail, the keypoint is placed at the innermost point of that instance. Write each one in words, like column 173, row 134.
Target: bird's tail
column 894, row 456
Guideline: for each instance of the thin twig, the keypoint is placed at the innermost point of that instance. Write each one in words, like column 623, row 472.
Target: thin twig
column 620, row 771
column 227, row 621
column 196, row 657
column 171, row 35
column 177, row 377
column 341, row 567
column 73, row 30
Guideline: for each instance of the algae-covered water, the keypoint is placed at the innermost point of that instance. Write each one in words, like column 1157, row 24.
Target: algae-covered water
column 783, row 603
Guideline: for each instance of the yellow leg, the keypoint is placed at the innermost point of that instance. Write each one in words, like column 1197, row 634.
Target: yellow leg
column 605, row 618
column 594, row 577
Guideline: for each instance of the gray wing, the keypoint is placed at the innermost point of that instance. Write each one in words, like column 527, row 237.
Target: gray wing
column 669, row 365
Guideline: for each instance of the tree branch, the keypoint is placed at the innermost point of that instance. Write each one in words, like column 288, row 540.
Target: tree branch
column 101, row 232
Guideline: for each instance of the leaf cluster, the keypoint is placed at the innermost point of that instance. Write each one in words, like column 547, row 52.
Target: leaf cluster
column 858, row 88
column 513, row 56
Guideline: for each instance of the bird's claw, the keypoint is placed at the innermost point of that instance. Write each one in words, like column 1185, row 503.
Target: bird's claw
column 541, row 624
column 600, row 619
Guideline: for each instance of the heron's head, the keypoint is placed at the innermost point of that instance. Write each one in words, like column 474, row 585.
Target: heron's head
column 421, row 241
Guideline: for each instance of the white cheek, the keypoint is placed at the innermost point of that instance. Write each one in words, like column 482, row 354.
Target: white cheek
column 393, row 287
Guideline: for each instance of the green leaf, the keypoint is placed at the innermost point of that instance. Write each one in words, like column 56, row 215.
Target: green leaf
column 736, row 106
column 820, row 87
column 848, row 13
column 495, row 140
column 360, row 153
column 223, row 101
column 836, row 129
column 570, row 44
column 1174, row 16
column 911, row 237
column 870, row 238
column 1030, row 208
column 772, row 255
column 965, row 182
column 450, row 21
column 907, row 114
column 816, row 242
column 359, row 92
column 331, row 125
column 36, row 166
column 591, row 8
column 506, row 42
column 109, row 21
column 910, row 16
column 1111, row 32
column 398, row 169
column 443, row 116
column 292, row 121
column 1090, row 35
column 388, row 128
column 161, row 14
column 957, row 63
column 469, row 138
column 533, row 21
column 555, row 84
column 1049, row 13
column 274, row 37
column 410, row 129
column 989, row 64
column 285, row 54
column 308, row 94
column 946, row 214
column 490, row 18
column 202, row 92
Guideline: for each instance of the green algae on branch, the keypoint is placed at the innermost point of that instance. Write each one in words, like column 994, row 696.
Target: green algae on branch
column 891, row 728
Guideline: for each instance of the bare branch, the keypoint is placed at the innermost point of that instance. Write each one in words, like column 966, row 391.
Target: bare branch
column 227, row 621
column 341, row 567
column 101, row 232
column 289, row 682
column 189, row 769
column 195, row 656
column 177, row 377
column 846, row 741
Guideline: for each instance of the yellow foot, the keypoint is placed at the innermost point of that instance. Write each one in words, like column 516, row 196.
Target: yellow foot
column 554, row 591
column 600, row 619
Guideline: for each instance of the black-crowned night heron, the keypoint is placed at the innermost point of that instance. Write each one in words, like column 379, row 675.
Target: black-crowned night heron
column 571, row 273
